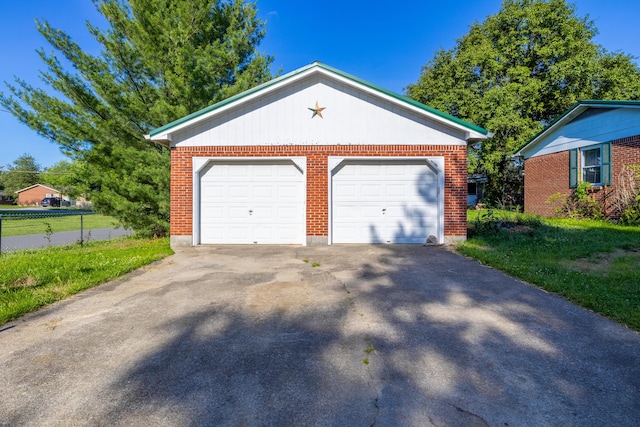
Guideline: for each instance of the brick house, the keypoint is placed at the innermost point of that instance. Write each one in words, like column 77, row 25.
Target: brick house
column 318, row 156
column 5, row 199
column 593, row 141
column 33, row 195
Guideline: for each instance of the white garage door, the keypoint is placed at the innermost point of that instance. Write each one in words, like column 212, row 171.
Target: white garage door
column 384, row 201
column 246, row 202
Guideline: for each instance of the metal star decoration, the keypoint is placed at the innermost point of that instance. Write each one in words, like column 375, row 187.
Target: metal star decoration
column 317, row 111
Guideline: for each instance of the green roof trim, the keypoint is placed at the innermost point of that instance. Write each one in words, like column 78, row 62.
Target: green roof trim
column 294, row 73
column 585, row 103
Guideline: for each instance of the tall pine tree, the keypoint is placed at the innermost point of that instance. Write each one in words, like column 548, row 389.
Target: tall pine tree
column 514, row 73
column 159, row 60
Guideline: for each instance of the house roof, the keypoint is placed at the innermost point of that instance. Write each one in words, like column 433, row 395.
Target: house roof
column 163, row 133
column 569, row 115
column 37, row 185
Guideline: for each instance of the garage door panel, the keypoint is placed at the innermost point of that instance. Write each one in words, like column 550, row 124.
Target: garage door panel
column 233, row 213
column 262, row 193
column 383, row 201
column 238, row 234
column 288, row 212
column 213, row 230
column 292, row 172
column 289, row 193
column 345, row 192
column 250, row 202
column 371, row 190
column 287, row 233
column 237, row 192
column 238, row 170
column 346, row 211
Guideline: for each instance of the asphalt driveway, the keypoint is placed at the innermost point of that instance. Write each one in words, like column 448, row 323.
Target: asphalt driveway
column 354, row 336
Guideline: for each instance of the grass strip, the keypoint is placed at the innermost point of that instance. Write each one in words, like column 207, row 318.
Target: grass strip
column 594, row 264
column 33, row 278
column 56, row 224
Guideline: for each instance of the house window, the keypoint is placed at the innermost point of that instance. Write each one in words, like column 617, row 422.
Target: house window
column 591, row 164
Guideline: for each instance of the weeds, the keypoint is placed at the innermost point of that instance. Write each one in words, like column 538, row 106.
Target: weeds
column 48, row 232
column 314, row 264
column 581, row 205
column 489, row 222
column 370, row 349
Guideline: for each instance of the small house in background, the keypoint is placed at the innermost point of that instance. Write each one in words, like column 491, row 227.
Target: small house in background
column 593, row 141
column 475, row 189
column 33, row 195
column 5, row 199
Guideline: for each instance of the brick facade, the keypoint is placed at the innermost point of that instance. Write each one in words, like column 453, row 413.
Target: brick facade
column 548, row 175
column 33, row 196
column 624, row 152
column 545, row 176
column 455, row 179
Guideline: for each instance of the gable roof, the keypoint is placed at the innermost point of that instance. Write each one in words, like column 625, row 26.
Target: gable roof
column 38, row 185
column 571, row 114
column 163, row 133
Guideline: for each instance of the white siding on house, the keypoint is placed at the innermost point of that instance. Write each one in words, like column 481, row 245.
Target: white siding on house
column 594, row 126
column 351, row 117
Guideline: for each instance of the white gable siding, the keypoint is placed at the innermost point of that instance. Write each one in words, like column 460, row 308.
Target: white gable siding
column 595, row 126
column 351, row 117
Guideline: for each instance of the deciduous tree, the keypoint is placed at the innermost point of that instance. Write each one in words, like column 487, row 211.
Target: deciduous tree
column 159, row 60
column 514, row 73
column 68, row 177
column 22, row 173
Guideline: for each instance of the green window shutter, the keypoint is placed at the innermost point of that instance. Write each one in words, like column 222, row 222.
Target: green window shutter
column 606, row 164
column 573, row 168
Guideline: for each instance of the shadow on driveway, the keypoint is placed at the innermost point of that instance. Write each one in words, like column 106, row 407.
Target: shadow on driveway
column 372, row 335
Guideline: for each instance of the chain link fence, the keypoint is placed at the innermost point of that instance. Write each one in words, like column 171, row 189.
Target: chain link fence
column 30, row 229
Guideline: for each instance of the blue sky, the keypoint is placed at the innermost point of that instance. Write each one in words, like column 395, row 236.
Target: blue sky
column 386, row 43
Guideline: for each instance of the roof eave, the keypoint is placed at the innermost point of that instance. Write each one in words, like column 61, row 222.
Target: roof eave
column 163, row 135
column 570, row 114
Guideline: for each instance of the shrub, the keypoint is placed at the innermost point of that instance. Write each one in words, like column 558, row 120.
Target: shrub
column 626, row 200
column 489, row 222
column 580, row 205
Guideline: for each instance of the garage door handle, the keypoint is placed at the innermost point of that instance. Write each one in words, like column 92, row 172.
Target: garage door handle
column 250, row 212
column 384, row 211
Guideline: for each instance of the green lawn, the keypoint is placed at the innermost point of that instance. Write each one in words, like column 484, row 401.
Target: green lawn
column 33, row 278
column 595, row 264
column 18, row 227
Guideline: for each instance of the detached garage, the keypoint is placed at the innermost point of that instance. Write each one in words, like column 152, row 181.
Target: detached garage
column 318, row 156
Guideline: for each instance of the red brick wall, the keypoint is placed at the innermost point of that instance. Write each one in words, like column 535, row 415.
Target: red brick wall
column 547, row 175
column 544, row 176
column 455, row 191
column 625, row 151
column 35, row 195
